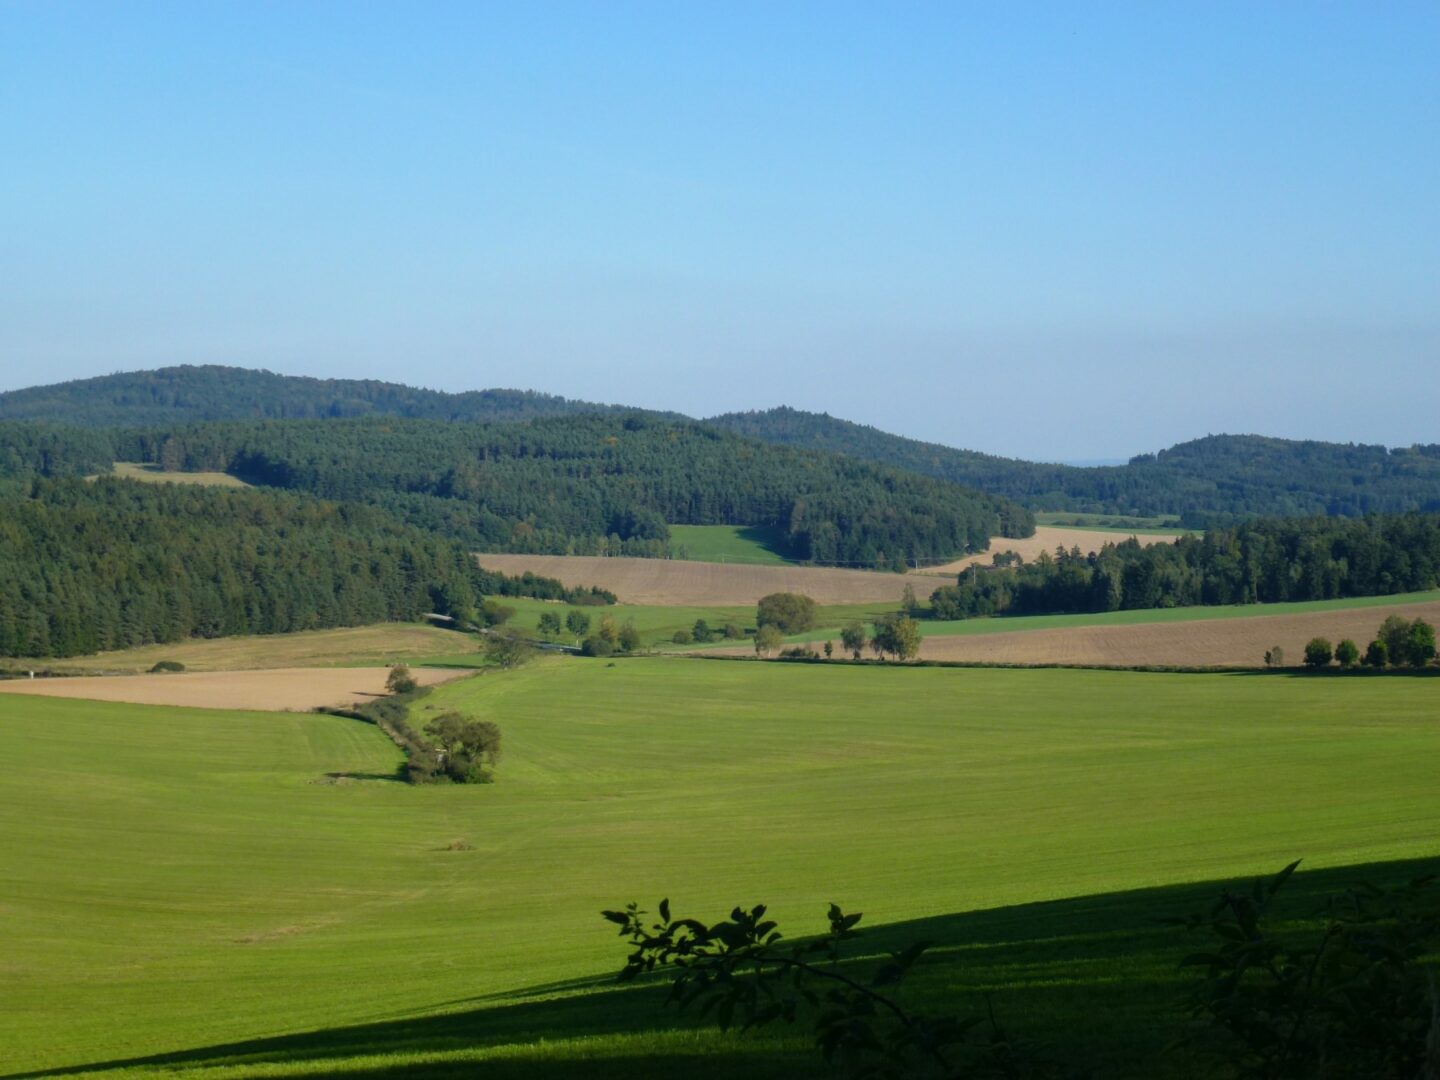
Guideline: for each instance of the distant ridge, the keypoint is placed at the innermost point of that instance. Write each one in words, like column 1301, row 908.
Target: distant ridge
column 1215, row 480
column 191, row 394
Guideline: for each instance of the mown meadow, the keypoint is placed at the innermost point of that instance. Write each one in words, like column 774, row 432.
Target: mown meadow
column 249, row 894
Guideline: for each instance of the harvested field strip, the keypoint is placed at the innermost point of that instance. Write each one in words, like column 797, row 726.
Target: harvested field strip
column 1209, row 642
column 1009, row 624
column 296, row 689
column 354, row 646
column 698, row 584
column 1046, row 539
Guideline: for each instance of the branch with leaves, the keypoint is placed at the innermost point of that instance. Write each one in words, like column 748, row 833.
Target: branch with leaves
column 741, row 970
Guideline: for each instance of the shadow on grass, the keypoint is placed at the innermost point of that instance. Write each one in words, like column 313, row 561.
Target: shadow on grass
column 1092, row 982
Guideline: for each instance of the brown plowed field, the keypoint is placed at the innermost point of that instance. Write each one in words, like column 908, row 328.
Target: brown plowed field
column 1047, row 538
column 699, row 584
column 296, row 689
column 1239, row 642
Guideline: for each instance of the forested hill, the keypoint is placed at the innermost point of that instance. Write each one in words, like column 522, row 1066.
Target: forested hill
column 1214, row 480
column 177, row 395
column 597, row 484
column 115, row 563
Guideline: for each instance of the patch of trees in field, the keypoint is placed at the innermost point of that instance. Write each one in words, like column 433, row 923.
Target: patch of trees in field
column 1399, row 643
column 597, row 485
column 115, row 563
column 1263, row 561
column 1211, row 481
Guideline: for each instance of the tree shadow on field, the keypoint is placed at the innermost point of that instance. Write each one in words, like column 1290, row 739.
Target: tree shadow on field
column 1092, row 981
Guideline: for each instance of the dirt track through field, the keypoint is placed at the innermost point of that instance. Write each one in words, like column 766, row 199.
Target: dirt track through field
column 1241, row 641
column 296, row 689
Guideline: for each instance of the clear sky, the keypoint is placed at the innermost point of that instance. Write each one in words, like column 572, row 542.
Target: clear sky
column 1055, row 231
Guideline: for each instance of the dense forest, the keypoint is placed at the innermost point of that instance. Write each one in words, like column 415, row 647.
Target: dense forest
column 116, row 563
column 188, row 394
column 596, row 484
column 1216, row 480
column 1265, row 561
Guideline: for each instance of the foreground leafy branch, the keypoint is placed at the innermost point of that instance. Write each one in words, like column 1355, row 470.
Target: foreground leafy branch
column 742, row 971
column 1355, row 999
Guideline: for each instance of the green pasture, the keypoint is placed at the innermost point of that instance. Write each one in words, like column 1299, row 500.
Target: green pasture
column 247, row 894
column 749, row 544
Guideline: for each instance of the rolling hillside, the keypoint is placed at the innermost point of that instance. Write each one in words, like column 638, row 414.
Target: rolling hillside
column 1213, row 480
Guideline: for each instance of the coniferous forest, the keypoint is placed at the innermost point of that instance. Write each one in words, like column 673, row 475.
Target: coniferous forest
column 597, row 484
column 115, row 563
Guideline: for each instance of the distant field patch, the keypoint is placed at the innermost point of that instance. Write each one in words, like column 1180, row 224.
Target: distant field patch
column 354, row 646
column 747, row 544
column 298, row 689
column 1118, row 522
column 673, row 581
column 152, row 473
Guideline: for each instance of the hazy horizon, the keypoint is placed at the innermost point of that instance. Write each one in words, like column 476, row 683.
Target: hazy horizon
column 1052, row 234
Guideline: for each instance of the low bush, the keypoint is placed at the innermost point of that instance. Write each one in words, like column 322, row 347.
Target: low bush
column 167, row 665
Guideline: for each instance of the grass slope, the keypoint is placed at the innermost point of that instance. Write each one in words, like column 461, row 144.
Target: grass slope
column 355, row 646
column 749, row 544
column 187, row 887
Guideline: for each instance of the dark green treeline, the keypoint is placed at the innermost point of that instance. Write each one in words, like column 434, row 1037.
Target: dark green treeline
column 1264, row 561
column 86, row 567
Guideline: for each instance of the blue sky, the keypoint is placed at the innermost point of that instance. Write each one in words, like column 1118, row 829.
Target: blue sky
column 1054, row 231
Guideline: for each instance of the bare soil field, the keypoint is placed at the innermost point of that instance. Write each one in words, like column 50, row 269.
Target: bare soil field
column 1047, row 538
column 361, row 646
column 698, row 584
column 295, row 689
column 1238, row 642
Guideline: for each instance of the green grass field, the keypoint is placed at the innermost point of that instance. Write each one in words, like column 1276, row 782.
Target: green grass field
column 749, row 544
column 191, row 891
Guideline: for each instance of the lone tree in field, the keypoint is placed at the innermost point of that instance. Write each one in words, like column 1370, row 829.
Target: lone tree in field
column 401, row 681
column 908, row 603
column 507, row 648
column 852, row 638
column 1318, row 653
column 578, row 623
column 1275, row 657
column 549, row 624
column 1420, row 643
column 793, row 613
column 767, row 639
column 897, row 635
column 1395, row 633
column 629, row 639
column 1347, row 653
